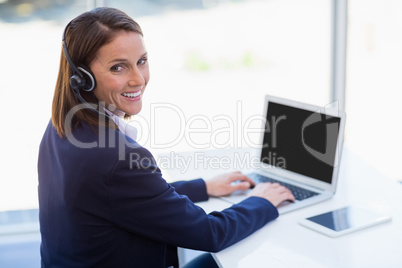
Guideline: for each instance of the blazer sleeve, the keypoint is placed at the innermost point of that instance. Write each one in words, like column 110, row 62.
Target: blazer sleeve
column 143, row 203
column 195, row 190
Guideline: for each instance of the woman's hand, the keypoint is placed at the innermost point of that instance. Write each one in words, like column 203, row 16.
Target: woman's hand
column 224, row 184
column 273, row 192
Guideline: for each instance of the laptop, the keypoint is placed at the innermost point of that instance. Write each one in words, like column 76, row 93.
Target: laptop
column 300, row 147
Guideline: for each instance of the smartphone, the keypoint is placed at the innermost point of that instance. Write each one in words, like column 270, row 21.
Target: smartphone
column 344, row 220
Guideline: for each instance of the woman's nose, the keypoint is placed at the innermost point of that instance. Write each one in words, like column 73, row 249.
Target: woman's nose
column 136, row 78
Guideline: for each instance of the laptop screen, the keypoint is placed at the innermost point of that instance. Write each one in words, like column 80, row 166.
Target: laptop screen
column 300, row 141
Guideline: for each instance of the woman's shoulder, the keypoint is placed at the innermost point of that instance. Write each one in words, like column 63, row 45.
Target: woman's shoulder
column 102, row 137
column 100, row 144
column 110, row 140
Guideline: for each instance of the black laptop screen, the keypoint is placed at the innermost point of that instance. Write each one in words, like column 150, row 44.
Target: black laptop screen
column 300, row 141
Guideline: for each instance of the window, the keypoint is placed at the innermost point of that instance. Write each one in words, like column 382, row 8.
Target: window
column 373, row 83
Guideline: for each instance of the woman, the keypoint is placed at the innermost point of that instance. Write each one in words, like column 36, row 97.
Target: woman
column 99, row 206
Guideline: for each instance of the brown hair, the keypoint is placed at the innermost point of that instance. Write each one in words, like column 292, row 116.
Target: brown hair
column 84, row 36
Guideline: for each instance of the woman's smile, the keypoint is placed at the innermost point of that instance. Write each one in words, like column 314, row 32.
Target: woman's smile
column 132, row 96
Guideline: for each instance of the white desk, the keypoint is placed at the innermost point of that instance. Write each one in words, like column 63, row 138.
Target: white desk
column 285, row 243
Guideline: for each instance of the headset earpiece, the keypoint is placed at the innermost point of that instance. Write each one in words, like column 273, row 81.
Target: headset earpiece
column 88, row 78
column 84, row 80
column 76, row 82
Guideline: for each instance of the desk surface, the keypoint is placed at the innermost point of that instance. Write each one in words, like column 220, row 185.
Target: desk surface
column 285, row 243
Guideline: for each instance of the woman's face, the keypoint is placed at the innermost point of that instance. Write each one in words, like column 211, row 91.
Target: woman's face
column 121, row 71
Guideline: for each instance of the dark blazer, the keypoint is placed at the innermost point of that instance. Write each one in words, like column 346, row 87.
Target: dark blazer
column 104, row 203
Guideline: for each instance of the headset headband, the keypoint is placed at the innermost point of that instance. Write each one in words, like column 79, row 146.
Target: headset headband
column 66, row 54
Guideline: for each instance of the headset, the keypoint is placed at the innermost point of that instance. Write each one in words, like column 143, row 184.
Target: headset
column 82, row 78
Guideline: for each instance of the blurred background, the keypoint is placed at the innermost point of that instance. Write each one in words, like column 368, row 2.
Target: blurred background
column 210, row 60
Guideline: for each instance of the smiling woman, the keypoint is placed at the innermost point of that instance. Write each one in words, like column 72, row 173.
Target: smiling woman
column 103, row 201
column 101, row 55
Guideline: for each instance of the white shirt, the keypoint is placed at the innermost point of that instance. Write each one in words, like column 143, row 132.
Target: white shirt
column 123, row 126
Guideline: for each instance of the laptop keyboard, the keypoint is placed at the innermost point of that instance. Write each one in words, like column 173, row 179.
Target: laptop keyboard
column 298, row 192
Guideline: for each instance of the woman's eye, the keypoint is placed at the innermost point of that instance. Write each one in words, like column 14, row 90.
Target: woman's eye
column 117, row 68
column 142, row 61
